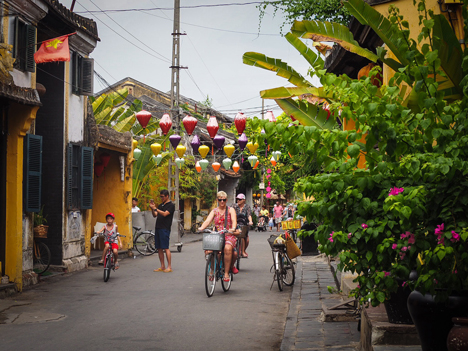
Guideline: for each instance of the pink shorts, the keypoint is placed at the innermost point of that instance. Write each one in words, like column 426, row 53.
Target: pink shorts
column 231, row 240
column 114, row 245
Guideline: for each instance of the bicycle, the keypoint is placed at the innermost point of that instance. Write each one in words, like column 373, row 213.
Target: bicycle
column 240, row 243
column 108, row 258
column 41, row 258
column 214, row 269
column 283, row 267
column 144, row 242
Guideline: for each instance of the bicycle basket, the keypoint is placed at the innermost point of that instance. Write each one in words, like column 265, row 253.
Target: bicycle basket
column 244, row 230
column 213, row 241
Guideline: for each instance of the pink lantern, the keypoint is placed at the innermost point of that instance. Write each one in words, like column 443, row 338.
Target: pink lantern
column 268, row 189
column 270, row 116
column 165, row 123
column 189, row 124
column 239, row 122
column 268, row 195
column 143, row 118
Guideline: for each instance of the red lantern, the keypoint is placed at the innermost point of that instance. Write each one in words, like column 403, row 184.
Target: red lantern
column 98, row 169
column 292, row 117
column 212, row 126
column 143, row 117
column 240, row 121
column 165, row 123
column 189, row 124
column 105, row 158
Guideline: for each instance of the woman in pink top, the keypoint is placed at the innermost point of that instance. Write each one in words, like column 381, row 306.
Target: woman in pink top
column 278, row 212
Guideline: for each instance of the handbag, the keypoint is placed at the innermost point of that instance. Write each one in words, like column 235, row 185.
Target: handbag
column 291, row 248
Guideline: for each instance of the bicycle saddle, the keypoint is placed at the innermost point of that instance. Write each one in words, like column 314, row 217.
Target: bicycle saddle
column 136, row 228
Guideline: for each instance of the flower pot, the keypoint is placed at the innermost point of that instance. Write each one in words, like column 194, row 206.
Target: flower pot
column 458, row 337
column 396, row 306
column 40, row 231
column 433, row 320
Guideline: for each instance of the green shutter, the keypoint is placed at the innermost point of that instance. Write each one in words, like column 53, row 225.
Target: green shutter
column 69, row 176
column 86, row 189
column 30, row 64
column 75, row 64
column 32, row 172
column 87, row 76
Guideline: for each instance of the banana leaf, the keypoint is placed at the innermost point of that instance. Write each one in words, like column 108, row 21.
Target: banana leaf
column 307, row 114
column 285, row 92
column 126, row 124
column 314, row 60
column 334, row 32
column 103, row 116
column 281, row 68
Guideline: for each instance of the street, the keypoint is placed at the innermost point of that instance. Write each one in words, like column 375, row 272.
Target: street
column 138, row 309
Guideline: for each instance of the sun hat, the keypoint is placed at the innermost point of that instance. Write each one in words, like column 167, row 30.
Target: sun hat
column 110, row 214
column 240, row 196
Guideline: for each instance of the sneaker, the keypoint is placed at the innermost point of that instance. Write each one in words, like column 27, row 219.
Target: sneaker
column 234, row 270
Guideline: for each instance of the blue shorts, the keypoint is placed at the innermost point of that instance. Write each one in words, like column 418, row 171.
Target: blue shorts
column 162, row 238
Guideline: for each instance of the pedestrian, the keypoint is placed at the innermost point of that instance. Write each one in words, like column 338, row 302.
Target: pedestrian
column 271, row 222
column 278, row 213
column 244, row 218
column 264, row 211
column 256, row 210
column 218, row 216
column 164, row 214
column 110, row 238
column 135, row 208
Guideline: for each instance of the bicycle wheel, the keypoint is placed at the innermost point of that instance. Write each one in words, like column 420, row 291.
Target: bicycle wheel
column 279, row 271
column 238, row 253
column 194, row 227
column 41, row 261
column 107, row 267
column 181, row 229
column 226, row 285
column 210, row 275
column 144, row 243
column 289, row 273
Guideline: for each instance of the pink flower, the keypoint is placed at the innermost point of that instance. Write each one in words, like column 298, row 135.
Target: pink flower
column 402, row 236
column 404, row 284
column 455, row 271
column 268, row 170
column 364, row 225
column 349, row 235
column 439, row 229
column 386, row 274
column 268, row 176
column 268, row 195
column 394, row 246
column 441, row 241
column 402, row 255
column 358, row 286
column 331, row 239
column 411, row 238
column 455, row 236
column 395, row 191
column 268, row 189
column 404, row 248
column 269, row 183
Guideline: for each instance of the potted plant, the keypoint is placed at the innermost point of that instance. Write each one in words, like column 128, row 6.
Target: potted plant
column 40, row 229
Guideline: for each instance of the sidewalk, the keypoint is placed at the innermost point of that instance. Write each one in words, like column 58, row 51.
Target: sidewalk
column 306, row 328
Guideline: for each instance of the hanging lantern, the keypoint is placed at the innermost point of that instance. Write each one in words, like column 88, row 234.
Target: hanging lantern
column 175, row 140
column 242, row 141
column 105, row 158
column 229, row 150
column 203, row 164
column 212, row 126
column 218, row 141
column 252, row 147
column 143, row 118
column 227, row 163
column 239, row 122
column 292, row 117
column 134, row 143
column 203, row 150
column 273, row 161
column 198, row 167
column 252, row 160
column 195, row 143
column 98, row 169
column 179, row 162
column 268, row 195
column 165, row 123
column 180, row 149
column 236, row 166
column 155, row 148
column 256, row 164
column 158, row 158
column 189, row 124
column 136, row 153
column 270, row 116
column 276, row 155
column 268, row 189
column 216, row 166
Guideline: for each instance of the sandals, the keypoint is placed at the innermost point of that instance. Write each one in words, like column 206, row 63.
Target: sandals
column 226, row 279
column 159, row 270
column 117, row 265
column 101, row 263
column 167, row 270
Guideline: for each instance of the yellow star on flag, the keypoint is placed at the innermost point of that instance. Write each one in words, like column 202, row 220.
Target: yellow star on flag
column 54, row 43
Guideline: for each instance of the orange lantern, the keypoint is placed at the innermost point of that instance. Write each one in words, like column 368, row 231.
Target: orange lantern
column 273, row 162
column 256, row 164
column 216, row 166
column 198, row 167
column 236, row 166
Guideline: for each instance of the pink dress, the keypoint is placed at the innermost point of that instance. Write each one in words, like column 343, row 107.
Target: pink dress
column 219, row 225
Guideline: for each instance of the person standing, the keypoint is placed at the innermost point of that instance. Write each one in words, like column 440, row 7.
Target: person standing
column 164, row 214
column 244, row 217
column 135, row 207
column 278, row 213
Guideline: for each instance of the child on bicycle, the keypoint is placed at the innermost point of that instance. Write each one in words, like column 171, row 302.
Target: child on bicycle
column 110, row 238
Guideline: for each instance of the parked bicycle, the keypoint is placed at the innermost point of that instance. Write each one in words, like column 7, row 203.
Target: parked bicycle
column 214, row 269
column 144, row 242
column 41, row 258
column 108, row 258
column 282, row 268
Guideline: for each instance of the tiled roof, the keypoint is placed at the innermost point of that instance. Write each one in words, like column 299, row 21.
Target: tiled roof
column 26, row 96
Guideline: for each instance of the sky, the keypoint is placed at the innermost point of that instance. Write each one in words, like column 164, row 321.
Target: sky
column 216, row 39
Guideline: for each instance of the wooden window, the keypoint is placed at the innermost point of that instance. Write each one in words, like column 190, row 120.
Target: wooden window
column 82, row 75
column 87, row 163
column 79, row 177
column 32, row 172
column 24, row 46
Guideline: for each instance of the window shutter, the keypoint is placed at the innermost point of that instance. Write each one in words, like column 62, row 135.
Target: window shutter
column 70, row 177
column 30, row 64
column 16, row 42
column 87, row 75
column 32, row 172
column 87, row 158
column 75, row 65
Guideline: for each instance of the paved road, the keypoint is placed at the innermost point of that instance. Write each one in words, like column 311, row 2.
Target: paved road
column 142, row 310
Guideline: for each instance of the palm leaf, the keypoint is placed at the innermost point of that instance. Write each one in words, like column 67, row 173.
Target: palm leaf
column 126, row 124
column 103, row 116
column 306, row 113
column 334, row 32
column 314, row 60
column 389, row 33
column 285, row 92
column 276, row 65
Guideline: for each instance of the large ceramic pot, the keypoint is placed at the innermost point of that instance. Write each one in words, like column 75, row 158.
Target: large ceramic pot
column 458, row 337
column 433, row 320
column 396, row 306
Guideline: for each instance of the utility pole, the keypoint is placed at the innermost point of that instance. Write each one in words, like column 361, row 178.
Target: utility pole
column 173, row 174
column 263, row 168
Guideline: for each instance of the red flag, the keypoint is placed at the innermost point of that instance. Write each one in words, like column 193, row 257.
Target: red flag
column 53, row 50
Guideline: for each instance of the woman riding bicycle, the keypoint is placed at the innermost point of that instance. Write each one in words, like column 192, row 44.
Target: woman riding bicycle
column 218, row 215
column 244, row 218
